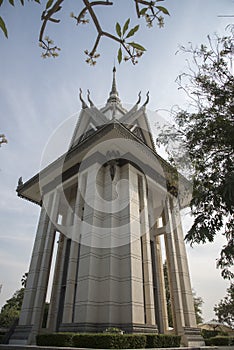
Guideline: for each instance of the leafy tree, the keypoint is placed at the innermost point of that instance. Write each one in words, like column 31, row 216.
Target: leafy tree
column 198, row 308
column 197, row 301
column 225, row 308
column 11, row 309
column 202, row 139
column 149, row 10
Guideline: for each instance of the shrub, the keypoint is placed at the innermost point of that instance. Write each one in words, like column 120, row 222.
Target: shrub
column 208, row 334
column 55, row 339
column 218, row 341
column 162, row 341
column 1, row 338
column 109, row 341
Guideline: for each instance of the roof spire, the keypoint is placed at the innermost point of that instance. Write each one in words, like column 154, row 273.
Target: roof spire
column 114, row 96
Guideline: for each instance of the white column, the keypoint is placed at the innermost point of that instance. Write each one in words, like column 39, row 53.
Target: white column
column 32, row 279
column 73, row 221
column 56, row 289
column 43, row 277
column 160, row 287
column 173, row 271
column 185, row 284
column 147, row 261
column 87, row 292
column 136, row 271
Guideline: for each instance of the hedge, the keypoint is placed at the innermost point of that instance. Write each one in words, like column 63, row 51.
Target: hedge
column 162, row 341
column 208, row 333
column 55, row 339
column 218, row 341
column 110, row 341
column 1, row 338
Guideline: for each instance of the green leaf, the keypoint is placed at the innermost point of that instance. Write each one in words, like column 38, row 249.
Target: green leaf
column 163, row 9
column 125, row 28
column 137, row 46
column 133, row 31
column 49, row 3
column 143, row 11
column 11, row 2
column 3, row 27
column 38, row 1
column 1, row 1
column 118, row 29
column 22, row 2
column 120, row 55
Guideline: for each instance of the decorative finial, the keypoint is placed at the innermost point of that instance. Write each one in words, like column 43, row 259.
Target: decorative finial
column 84, row 105
column 147, row 99
column 114, row 96
column 139, row 98
column 90, row 101
column 20, row 182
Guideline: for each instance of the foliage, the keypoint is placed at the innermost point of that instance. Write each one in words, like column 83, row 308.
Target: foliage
column 109, row 341
column 2, row 136
column 168, row 295
column 219, row 341
column 55, row 339
column 162, row 341
column 225, row 308
column 10, row 311
column 208, row 333
column 113, row 330
column 149, row 10
column 198, row 308
column 206, row 134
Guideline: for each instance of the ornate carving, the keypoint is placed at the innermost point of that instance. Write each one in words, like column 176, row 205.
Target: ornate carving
column 147, row 100
column 113, row 157
column 88, row 97
column 20, row 182
column 84, row 105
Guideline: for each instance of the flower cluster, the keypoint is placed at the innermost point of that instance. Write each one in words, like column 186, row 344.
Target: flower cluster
column 80, row 19
column 133, row 54
column 150, row 18
column 91, row 57
column 48, row 50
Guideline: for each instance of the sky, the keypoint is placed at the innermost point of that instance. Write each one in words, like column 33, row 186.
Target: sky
column 38, row 95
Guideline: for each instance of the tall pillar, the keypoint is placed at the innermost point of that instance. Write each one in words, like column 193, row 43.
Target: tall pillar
column 43, row 277
column 34, row 270
column 180, row 287
column 71, row 282
column 161, row 304
column 173, row 271
column 185, row 284
column 137, row 297
column 146, row 252
column 53, row 314
column 87, row 295
column 35, row 292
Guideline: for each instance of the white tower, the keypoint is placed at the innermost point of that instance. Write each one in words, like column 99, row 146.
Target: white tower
column 113, row 201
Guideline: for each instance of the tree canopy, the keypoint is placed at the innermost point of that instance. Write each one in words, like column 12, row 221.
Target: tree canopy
column 225, row 308
column 151, row 11
column 201, row 141
column 11, row 309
